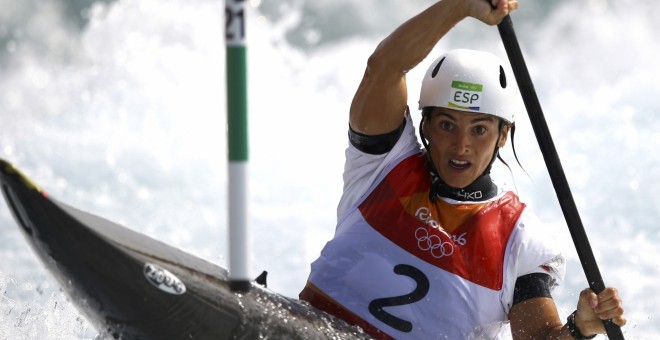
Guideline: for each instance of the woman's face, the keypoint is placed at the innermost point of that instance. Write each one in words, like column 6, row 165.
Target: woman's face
column 462, row 144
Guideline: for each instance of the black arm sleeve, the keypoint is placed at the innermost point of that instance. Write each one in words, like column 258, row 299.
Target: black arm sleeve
column 378, row 144
column 532, row 286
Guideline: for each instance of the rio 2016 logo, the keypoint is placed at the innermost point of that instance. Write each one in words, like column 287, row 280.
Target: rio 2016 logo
column 433, row 244
column 424, row 215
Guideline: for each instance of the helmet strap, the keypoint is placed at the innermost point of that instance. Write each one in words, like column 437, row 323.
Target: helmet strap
column 496, row 152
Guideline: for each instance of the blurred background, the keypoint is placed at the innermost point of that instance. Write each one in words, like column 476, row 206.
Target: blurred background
column 118, row 108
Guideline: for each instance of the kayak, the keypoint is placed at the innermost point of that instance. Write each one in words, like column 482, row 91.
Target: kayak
column 130, row 286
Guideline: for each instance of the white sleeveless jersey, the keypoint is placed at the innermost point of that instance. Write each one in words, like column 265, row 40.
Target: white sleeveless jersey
column 392, row 270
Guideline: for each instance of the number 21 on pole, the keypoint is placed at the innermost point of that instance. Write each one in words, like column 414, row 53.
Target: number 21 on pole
column 235, row 22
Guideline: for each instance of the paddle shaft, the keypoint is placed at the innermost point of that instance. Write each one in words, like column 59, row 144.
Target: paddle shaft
column 554, row 166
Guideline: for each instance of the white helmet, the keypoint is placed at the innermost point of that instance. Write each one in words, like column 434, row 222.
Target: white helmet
column 470, row 81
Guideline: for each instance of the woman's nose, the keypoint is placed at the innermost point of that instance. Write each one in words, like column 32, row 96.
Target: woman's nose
column 461, row 143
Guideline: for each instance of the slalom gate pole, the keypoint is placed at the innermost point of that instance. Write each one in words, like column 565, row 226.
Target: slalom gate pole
column 554, row 166
column 237, row 138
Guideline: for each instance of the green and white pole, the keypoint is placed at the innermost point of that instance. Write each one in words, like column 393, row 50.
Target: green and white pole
column 237, row 135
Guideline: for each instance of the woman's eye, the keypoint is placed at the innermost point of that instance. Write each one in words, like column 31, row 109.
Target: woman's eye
column 480, row 130
column 446, row 125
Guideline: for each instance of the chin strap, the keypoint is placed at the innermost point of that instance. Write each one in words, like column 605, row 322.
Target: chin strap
column 481, row 189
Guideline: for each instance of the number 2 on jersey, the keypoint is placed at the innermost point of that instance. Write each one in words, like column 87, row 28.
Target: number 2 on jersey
column 376, row 306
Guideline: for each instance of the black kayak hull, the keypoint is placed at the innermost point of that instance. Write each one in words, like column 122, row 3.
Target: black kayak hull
column 130, row 286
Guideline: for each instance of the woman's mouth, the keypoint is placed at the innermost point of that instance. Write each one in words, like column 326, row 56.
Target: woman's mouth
column 460, row 165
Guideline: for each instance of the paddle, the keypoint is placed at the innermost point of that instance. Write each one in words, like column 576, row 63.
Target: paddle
column 553, row 164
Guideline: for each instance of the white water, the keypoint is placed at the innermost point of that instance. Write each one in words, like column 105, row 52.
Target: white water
column 120, row 112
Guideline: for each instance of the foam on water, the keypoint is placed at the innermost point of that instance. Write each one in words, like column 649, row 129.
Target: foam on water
column 120, row 112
